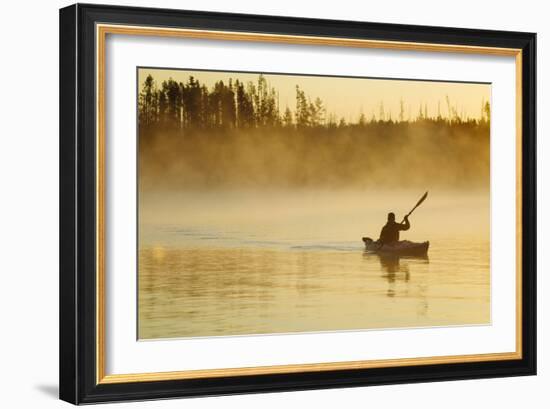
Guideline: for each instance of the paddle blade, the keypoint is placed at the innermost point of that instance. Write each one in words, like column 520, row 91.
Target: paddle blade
column 419, row 203
column 422, row 199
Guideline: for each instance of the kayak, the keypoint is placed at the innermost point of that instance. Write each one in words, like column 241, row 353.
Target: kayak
column 400, row 248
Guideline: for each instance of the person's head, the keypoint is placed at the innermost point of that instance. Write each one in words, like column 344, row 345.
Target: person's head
column 391, row 217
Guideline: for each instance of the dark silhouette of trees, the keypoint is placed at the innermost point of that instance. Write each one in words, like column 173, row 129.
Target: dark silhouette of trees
column 148, row 102
column 245, row 107
column 302, row 111
column 192, row 105
column 288, row 118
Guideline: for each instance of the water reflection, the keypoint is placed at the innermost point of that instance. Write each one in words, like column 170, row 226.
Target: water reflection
column 395, row 268
column 207, row 291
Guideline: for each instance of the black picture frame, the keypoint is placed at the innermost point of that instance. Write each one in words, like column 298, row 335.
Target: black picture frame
column 78, row 359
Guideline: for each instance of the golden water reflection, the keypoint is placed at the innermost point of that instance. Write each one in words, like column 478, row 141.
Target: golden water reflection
column 209, row 291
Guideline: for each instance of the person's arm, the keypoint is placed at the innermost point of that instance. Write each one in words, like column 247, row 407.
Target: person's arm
column 405, row 225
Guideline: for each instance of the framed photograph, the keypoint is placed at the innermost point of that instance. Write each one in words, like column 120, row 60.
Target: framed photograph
column 257, row 203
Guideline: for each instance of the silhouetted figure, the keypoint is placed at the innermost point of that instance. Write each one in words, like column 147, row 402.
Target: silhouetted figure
column 390, row 232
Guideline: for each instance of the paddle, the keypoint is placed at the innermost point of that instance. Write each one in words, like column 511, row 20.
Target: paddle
column 424, row 196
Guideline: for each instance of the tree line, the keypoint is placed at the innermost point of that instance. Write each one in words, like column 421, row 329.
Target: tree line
column 239, row 105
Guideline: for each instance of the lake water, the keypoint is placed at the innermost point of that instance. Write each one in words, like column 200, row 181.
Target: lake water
column 237, row 263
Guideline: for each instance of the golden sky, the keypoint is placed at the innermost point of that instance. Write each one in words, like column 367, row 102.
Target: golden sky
column 349, row 97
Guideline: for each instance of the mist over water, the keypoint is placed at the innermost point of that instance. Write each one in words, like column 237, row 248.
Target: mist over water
column 375, row 155
column 317, row 215
column 261, row 261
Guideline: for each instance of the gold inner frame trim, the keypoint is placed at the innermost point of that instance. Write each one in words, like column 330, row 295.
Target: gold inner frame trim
column 101, row 33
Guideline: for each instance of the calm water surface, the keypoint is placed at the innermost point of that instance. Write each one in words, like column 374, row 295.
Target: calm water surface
column 210, row 277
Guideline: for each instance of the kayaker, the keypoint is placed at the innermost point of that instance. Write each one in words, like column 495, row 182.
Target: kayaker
column 390, row 232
